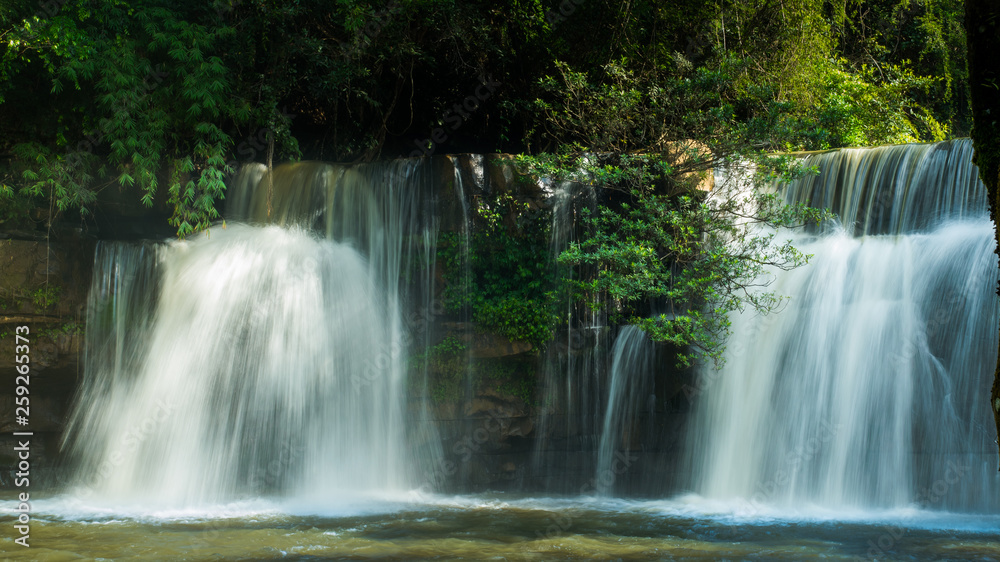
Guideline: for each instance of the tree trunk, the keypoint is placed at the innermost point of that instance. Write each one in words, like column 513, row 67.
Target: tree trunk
column 982, row 27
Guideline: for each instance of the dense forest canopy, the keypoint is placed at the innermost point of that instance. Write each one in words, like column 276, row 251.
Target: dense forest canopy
column 163, row 99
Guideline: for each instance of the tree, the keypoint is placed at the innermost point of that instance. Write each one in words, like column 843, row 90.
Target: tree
column 160, row 99
column 982, row 23
column 665, row 255
column 142, row 97
column 925, row 37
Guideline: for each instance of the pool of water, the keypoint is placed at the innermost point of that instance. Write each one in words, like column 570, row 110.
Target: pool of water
column 492, row 527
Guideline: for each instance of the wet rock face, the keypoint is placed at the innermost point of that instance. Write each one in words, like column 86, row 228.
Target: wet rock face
column 43, row 287
column 46, row 279
column 484, row 344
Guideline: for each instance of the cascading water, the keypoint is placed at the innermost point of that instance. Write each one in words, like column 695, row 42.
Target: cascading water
column 249, row 380
column 895, row 189
column 571, row 388
column 629, row 392
column 869, row 390
column 275, row 365
column 264, row 360
column 269, row 363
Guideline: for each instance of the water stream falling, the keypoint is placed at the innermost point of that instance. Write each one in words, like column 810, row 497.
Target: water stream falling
column 629, row 393
column 256, row 391
column 271, row 358
column 869, row 390
column 265, row 360
column 250, row 379
column 571, row 380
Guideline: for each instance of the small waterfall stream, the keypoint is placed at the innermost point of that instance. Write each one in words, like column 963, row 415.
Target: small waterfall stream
column 870, row 389
column 629, row 393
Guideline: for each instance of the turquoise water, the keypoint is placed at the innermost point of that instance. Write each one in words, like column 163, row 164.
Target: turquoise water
column 494, row 527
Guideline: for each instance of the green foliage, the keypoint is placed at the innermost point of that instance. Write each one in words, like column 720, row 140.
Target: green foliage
column 895, row 66
column 451, row 372
column 507, row 378
column 666, row 256
column 46, row 297
column 502, row 275
column 518, row 317
column 676, row 265
column 15, row 210
column 786, row 45
column 446, row 367
column 870, row 107
column 147, row 96
column 202, row 91
column 159, row 99
column 67, row 329
column 924, row 37
column 622, row 110
column 646, row 113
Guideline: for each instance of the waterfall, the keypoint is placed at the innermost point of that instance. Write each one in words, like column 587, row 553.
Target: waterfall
column 894, row 189
column 571, row 387
column 269, row 359
column 869, row 390
column 629, row 393
column 272, row 355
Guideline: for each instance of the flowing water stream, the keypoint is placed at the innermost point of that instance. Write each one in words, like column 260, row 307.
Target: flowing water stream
column 869, row 390
column 247, row 392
